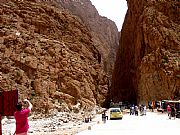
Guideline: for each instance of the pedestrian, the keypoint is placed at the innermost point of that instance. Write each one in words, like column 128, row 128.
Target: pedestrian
column 104, row 117
column 21, row 117
column 149, row 105
column 136, row 110
column 141, row 110
column 152, row 106
column 132, row 110
column 169, row 111
column 144, row 109
column 173, row 111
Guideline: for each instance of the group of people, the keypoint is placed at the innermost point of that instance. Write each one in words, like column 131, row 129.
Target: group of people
column 21, row 115
column 134, row 110
column 171, row 110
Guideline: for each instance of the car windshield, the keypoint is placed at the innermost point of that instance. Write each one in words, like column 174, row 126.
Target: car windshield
column 115, row 110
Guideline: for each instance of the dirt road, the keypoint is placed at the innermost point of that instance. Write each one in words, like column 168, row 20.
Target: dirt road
column 152, row 123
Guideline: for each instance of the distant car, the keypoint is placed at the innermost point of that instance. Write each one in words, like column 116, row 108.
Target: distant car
column 115, row 113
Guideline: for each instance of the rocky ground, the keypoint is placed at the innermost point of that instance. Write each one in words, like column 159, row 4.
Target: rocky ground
column 58, row 123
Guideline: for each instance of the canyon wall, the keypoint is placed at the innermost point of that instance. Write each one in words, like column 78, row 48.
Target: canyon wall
column 104, row 31
column 148, row 59
column 49, row 56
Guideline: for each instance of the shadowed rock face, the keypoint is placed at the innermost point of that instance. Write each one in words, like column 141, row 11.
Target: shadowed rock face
column 148, row 59
column 49, row 55
column 104, row 31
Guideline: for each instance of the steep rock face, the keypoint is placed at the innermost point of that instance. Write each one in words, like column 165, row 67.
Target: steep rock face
column 104, row 31
column 148, row 59
column 48, row 54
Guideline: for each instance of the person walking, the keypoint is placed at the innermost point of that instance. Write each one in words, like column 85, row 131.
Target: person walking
column 144, row 110
column 104, row 117
column 152, row 106
column 169, row 111
column 173, row 111
column 21, row 117
column 132, row 110
column 136, row 110
column 141, row 110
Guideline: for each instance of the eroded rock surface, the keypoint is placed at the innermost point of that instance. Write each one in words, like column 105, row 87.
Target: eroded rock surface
column 104, row 31
column 48, row 54
column 148, row 59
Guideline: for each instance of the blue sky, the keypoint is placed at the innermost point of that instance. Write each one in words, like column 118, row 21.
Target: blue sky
column 112, row 9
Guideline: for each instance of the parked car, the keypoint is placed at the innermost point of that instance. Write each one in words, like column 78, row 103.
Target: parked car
column 115, row 113
column 177, row 114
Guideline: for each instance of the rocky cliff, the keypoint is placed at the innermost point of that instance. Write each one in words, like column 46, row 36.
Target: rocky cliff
column 48, row 54
column 104, row 31
column 148, row 59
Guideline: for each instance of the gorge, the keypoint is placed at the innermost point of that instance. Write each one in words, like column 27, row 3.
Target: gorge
column 62, row 52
